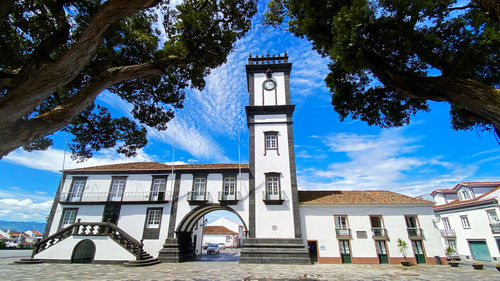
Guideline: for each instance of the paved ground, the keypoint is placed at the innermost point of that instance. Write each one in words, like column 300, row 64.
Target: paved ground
column 234, row 271
column 227, row 254
column 6, row 253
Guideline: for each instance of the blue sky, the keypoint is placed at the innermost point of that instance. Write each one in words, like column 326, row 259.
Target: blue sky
column 414, row 159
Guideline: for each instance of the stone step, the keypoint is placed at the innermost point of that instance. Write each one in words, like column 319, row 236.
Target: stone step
column 28, row 261
column 273, row 241
column 146, row 262
column 269, row 245
column 275, row 260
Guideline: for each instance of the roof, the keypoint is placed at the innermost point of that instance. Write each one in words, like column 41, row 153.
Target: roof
column 147, row 166
column 365, row 197
column 217, row 229
column 463, row 203
column 36, row 232
column 443, row 190
column 467, row 183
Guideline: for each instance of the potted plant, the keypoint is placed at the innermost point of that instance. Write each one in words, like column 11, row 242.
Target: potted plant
column 449, row 253
column 498, row 266
column 403, row 248
column 477, row 265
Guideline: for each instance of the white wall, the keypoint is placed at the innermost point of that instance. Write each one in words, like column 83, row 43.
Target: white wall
column 87, row 213
column 106, row 249
column 279, row 78
column 318, row 224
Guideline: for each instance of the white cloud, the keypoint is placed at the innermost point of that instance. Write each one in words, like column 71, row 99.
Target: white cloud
column 24, row 209
column 52, row 159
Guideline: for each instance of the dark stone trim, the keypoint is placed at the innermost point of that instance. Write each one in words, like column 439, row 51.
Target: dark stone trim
column 173, row 209
column 152, row 172
column 62, row 216
column 275, row 67
column 116, row 202
column 155, row 177
column 270, row 123
column 251, row 179
column 113, row 178
column 273, row 201
column 152, row 233
column 287, row 88
column 269, row 109
column 293, row 181
column 251, row 88
column 76, row 246
column 271, row 133
column 50, row 220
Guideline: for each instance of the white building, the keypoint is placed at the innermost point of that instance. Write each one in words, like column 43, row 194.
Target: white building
column 467, row 216
column 143, row 211
column 225, row 231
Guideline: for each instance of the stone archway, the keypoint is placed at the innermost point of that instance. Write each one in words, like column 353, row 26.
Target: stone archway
column 180, row 248
column 83, row 252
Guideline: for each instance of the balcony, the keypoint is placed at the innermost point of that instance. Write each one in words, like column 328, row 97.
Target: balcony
column 415, row 232
column 495, row 228
column 198, row 198
column 124, row 197
column 343, row 232
column 379, row 233
column 273, row 198
column 229, row 199
column 448, row 233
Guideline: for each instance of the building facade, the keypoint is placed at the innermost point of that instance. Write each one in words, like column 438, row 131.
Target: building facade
column 147, row 211
column 468, row 218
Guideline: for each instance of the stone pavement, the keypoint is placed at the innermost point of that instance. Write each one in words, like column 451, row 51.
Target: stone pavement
column 234, row 271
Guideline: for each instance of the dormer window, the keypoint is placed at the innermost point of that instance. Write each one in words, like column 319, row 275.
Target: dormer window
column 465, row 194
column 271, row 141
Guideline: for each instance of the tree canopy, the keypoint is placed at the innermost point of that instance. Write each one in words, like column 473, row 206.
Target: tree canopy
column 57, row 56
column 388, row 58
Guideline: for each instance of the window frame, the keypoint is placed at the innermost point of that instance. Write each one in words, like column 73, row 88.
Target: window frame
column 464, row 193
column 346, row 221
column 152, row 232
column 234, row 188
column 269, row 134
column 113, row 179
column 462, row 217
column 274, row 190
column 417, row 223
column 73, row 181
column 152, row 190
column 490, row 217
column 205, row 189
column 61, row 220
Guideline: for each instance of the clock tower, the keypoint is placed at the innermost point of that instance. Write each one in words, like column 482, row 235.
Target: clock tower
column 274, row 223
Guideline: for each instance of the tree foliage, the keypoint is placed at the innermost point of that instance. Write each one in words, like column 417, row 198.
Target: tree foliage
column 59, row 55
column 388, row 58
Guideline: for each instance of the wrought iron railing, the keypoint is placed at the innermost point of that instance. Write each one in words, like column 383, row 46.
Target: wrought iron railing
column 448, row 232
column 495, row 228
column 223, row 196
column 415, row 232
column 273, row 196
column 198, row 196
column 343, row 232
column 92, row 229
column 379, row 232
column 146, row 196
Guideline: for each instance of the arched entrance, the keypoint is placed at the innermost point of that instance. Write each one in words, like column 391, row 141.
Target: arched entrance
column 184, row 231
column 83, row 252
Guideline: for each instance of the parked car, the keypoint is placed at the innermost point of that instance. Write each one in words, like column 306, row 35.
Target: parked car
column 212, row 249
column 222, row 246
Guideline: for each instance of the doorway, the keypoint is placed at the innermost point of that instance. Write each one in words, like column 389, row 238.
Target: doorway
column 312, row 247
column 345, row 251
column 479, row 250
column 418, row 249
column 111, row 213
column 84, row 252
column 382, row 251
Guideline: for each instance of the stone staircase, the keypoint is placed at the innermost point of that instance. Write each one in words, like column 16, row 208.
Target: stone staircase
column 144, row 260
column 278, row 251
column 28, row 261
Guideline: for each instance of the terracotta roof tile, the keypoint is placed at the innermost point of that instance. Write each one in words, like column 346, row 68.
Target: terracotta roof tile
column 359, row 197
column 456, row 203
column 37, row 233
column 443, row 190
column 145, row 166
column 217, row 229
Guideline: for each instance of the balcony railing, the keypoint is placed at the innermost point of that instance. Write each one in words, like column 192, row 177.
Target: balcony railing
column 273, row 197
column 229, row 199
column 197, row 198
column 495, row 228
column 88, row 197
column 379, row 232
column 415, row 232
column 448, row 233
column 343, row 232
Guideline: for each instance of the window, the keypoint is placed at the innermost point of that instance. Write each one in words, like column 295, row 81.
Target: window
column 465, row 221
column 411, row 221
column 154, row 218
column 341, row 221
column 465, row 195
column 271, row 141
column 452, row 243
column 117, row 188
column 272, row 187
column 68, row 217
column 377, row 226
column 492, row 216
column 76, row 189
column 158, row 189
column 446, row 223
column 229, row 186
column 199, row 186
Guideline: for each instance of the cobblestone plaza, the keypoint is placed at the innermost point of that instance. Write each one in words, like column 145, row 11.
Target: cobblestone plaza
column 233, row 271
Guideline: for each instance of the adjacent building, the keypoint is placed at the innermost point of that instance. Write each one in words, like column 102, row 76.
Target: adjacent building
column 467, row 216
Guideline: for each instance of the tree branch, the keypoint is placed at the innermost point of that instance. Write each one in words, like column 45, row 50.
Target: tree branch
column 22, row 131
column 5, row 6
column 35, row 83
column 491, row 8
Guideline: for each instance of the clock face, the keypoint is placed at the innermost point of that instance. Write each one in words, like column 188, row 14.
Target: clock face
column 269, row 85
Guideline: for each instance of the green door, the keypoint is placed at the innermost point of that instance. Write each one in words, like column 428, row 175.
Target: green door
column 418, row 249
column 479, row 250
column 381, row 251
column 345, row 252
